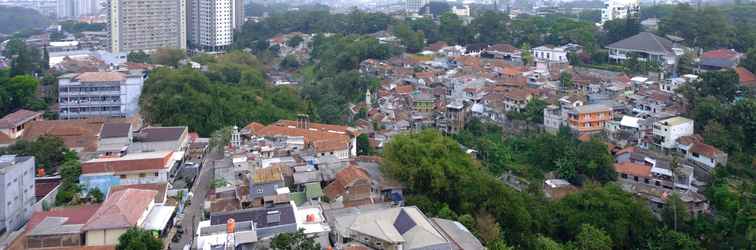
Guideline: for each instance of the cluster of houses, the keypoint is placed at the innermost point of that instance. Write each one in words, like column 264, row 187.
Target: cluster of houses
column 445, row 86
column 300, row 175
column 140, row 171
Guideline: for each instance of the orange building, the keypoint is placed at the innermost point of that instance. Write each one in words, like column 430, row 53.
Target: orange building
column 588, row 119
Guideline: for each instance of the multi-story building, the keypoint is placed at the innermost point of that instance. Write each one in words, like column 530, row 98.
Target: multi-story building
column 211, row 23
column 620, row 9
column 413, row 6
column 100, row 94
column 551, row 54
column 77, row 8
column 146, row 24
column 16, row 191
column 666, row 132
column 587, row 119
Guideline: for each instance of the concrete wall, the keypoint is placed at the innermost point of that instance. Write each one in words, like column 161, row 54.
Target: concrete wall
column 16, row 193
column 104, row 237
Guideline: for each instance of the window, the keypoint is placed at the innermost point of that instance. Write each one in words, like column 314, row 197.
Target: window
column 123, row 176
column 635, row 178
column 156, row 174
column 624, row 176
column 142, row 175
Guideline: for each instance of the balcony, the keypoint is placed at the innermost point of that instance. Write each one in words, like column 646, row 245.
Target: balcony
column 90, row 104
column 90, row 93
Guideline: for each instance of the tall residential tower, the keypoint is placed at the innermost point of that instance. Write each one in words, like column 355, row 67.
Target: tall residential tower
column 146, row 24
column 211, row 23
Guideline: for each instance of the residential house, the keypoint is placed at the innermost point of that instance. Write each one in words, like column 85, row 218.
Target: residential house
column 550, row 54
column 96, row 94
column 212, row 237
column 460, row 236
column 557, row 188
column 502, row 51
column 322, row 139
column 57, row 228
column 136, row 168
column 654, row 182
column 455, row 118
column 387, row 228
column 646, row 47
column 81, row 135
column 352, row 187
column 115, row 139
column 151, row 139
column 667, row 131
column 423, row 102
column 588, row 119
column 719, row 59
column 553, row 119
column 12, row 125
column 120, row 211
column 17, row 195
column 267, row 221
column 516, row 99
column 265, row 185
column 703, row 154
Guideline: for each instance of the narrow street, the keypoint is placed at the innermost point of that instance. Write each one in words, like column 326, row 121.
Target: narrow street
column 193, row 214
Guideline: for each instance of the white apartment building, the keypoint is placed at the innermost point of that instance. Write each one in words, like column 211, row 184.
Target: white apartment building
column 619, row 9
column 413, row 6
column 666, row 132
column 17, row 195
column 551, row 54
column 100, row 94
column 146, row 24
column 212, row 23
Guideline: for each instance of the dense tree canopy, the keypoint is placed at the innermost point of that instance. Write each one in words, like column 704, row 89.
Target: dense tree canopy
column 233, row 91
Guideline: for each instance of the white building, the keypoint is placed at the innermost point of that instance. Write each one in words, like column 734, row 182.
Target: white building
column 550, row 54
column 666, row 132
column 212, row 23
column 461, row 11
column 413, row 6
column 97, row 94
column 619, row 9
column 17, row 195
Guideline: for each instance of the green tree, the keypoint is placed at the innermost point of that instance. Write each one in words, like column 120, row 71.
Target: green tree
column 138, row 239
column 363, row 145
column 490, row 27
column 452, row 29
column 167, row 56
column 666, row 239
column 96, row 195
column 49, row 151
column 527, row 56
column 499, row 245
column 294, row 241
column 566, row 79
column 413, row 41
column 15, row 19
column 19, row 92
column 295, row 41
column 290, row 62
column 592, row 238
column 546, row 243
column 220, row 138
column 138, row 56
column 749, row 62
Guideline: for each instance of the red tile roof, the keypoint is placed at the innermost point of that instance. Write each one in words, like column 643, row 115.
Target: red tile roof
column 160, row 188
column 75, row 215
column 345, row 178
column 121, row 209
column 720, row 54
column 747, row 78
column 633, row 169
column 18, row 117
column 128, row 163
column 101, row 76
column 705, row 149
column 43, row 186
column 75, row 133
column 517, row 94
column 404, row 89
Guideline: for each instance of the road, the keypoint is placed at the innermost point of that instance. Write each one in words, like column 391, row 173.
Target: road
column 193, row 214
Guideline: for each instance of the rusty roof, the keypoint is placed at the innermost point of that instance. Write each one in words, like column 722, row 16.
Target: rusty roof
column 128, row 163
column 16, row 118
column 633, row 169
column 109, row 76
column 160, row 188
column 345, row 178
column 268, row 175
column 122, row 209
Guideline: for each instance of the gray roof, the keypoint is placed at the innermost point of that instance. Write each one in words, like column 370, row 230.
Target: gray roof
column 114, row 130
column 718, row 62
column 157, row 134
column 406, row 225
column 55, row 226
column 459, row 234
column 260, row 216
column 644, row 42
